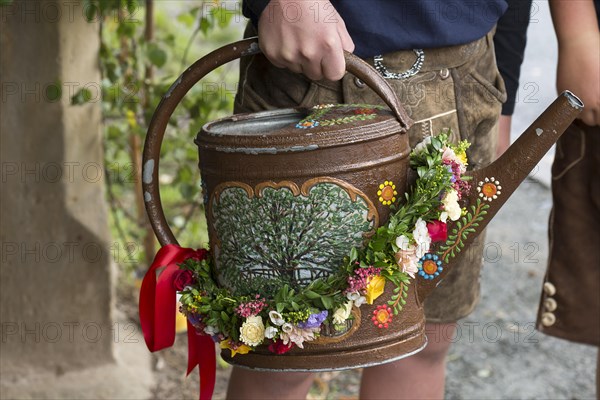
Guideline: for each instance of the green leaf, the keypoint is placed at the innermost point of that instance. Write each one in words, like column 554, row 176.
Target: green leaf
column 327, row 302
column 156, row 55
column 187, row 19
column 205, row 25
column 311, row 295
column 53, row 92
column 81, row 97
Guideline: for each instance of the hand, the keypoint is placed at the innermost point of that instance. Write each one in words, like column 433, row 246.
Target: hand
column 579, row 72
column 306, row 37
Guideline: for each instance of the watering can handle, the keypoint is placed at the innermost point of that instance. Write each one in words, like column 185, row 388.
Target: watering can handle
column 188, row 79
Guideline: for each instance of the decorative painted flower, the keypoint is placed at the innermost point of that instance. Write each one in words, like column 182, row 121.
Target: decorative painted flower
column 278, row 347
column 252, row 331
column 438, row 231
column 430, row 266
column 342, row 314
column 375, row 288
column 387, row 193
column 307, row 123
column 489, row 189
column 382, row 316
column 236, row 348
column 451, row 206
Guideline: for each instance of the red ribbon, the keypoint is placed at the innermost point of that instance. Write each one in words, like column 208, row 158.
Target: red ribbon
column 158, row 304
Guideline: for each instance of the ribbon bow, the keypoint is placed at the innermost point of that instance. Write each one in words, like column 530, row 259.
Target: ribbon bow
column 158, row 301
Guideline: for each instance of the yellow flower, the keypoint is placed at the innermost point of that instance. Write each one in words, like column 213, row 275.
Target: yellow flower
column 461, row 155
column 228, row 344
column 375, row 288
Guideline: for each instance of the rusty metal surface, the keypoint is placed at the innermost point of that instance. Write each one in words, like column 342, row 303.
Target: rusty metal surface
column 265, row 149
column 177, row 91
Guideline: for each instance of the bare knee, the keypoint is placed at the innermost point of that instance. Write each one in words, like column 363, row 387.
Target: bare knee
column 264, row 385
column 439, row 338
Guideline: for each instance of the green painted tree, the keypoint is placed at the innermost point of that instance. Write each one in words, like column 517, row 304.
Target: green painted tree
column 278, row 238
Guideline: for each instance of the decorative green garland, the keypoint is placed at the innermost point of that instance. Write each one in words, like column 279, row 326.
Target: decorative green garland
column 396, row 253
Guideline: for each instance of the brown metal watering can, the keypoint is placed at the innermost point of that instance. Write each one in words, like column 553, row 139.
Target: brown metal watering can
column 312, row 177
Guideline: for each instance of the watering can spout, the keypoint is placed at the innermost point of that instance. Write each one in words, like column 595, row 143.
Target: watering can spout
column 494, row 184
column 523, row 155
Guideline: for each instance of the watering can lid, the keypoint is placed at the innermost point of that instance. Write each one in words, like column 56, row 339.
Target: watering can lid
column 298, row 129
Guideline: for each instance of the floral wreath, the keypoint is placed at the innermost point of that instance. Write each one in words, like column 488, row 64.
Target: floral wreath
column 396, row 253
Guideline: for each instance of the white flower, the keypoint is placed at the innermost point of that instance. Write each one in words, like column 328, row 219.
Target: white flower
column 360, row 301
column 444, row 216
column 270, row 332
column 421, row 236
column 276, row 318
column 403, row 243
column 451, row 206
column 448, row 154
column 341, row 314
column 352, row 296
column 252, row 331
column 287, row 327
column 422, row 146
column 211, row 330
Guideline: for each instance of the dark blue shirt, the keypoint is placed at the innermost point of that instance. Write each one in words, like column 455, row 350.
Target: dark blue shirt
column 382, row 26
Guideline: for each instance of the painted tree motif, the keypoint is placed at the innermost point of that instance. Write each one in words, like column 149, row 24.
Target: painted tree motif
column 278, row 238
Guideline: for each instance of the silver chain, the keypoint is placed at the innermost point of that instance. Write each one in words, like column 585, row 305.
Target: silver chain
column 416, row 67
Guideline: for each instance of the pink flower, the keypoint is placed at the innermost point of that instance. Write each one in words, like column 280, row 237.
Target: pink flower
column 407, row 260
column 438, row 231
column 183, row 278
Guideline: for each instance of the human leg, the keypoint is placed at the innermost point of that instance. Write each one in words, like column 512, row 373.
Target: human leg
column 248, row 384
column 421, row 376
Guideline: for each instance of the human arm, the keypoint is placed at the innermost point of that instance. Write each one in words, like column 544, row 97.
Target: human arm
column 576, row 26
column 304, row 36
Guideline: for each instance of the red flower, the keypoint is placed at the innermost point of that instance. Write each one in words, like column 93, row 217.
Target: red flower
column 278, row 347
column 438, row 231
column 183, row 278
column 199, row 255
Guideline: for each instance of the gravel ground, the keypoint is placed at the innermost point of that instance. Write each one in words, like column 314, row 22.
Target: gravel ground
column 496, row 354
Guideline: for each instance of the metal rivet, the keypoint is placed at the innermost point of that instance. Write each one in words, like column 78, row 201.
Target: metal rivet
column 444, row 73
column 549, row 289
column 359, row 83
column 548, row 319
column 550, row 304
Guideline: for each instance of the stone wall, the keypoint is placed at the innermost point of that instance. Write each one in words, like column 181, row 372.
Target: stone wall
column 55, row 276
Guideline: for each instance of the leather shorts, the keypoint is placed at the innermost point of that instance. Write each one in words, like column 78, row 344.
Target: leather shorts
column 570, row 302
column 458, row 88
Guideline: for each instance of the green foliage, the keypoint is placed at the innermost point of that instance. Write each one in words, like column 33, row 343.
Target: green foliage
column 136, row 72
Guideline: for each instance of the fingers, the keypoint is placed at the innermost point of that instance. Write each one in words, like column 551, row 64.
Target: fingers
column 310, row 46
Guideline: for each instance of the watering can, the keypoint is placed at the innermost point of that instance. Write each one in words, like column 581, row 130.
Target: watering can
column 307, row 181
